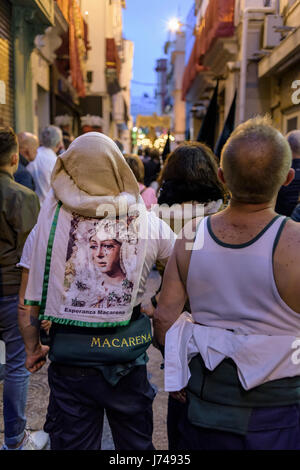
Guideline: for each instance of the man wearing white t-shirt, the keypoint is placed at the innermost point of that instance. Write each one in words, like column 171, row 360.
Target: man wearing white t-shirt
column 41, row 168
column 95, row 267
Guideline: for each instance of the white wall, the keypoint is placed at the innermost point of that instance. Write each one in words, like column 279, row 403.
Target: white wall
column 40, row 92
column 127, row 71
column 97, row 29
column 104, row 20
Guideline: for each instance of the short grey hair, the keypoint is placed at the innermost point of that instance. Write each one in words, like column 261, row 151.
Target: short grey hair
column 293, row 139
column 256, row 160
column 51, row 136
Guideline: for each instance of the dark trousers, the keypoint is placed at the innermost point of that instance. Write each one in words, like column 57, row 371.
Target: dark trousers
column 175, row 418
column 274, row 428
column 76, row 411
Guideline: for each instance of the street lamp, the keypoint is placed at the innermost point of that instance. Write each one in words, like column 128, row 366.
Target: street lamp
column 175, row 26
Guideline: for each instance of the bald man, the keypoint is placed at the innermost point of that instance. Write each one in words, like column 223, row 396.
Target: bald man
column 28, row 145
column 288, row 196
column 234, row 361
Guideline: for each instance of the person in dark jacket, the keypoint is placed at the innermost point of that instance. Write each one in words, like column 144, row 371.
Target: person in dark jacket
column 28, row 145
column 19, row 208
column 296, row 213
column 152, row 167
column 288, row 196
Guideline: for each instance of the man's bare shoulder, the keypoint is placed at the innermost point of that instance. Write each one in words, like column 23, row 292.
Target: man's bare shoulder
column 287, row 265
column 184, row 246
column 189, row 230
column 292, row 230
column 186, row 238
column 289, row 242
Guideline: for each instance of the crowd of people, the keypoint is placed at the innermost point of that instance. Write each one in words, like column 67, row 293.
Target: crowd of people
column 83, row 225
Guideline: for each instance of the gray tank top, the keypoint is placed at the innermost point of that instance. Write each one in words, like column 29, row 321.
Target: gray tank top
column 233, row 287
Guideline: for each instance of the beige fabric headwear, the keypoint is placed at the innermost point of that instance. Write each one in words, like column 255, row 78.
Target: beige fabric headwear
column 92, row 172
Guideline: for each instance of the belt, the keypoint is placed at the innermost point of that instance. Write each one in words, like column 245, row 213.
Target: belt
column 74, row 371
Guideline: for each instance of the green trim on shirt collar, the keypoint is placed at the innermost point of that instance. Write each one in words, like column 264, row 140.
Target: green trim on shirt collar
column 241, row 245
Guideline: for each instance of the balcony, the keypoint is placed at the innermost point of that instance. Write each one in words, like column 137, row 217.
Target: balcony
column 218, row 22
column 44, row 9
column 47, row 9
column 223, row 50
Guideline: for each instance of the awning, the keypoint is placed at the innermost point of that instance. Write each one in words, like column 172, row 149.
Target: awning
column 217, row 22
column 43, row 12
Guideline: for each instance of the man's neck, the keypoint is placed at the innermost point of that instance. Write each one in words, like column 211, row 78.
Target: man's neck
column 8, row 169
column 53, row 150
column 239, row 210
column 239, row 222
column 238, row 206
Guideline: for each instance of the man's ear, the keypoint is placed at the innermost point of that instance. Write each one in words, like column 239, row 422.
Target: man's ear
column 14, row 159
column 59, row 147
column 290, row 177
column 221, row 176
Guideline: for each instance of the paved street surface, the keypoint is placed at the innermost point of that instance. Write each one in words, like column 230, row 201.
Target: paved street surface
column 38, row 395
column 38, row 400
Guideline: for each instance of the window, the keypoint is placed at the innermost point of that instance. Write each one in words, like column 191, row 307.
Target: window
column 291, row 121
column 292, row 124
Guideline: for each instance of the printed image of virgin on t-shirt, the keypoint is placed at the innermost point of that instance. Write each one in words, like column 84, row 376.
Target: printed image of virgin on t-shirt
column 101, row 264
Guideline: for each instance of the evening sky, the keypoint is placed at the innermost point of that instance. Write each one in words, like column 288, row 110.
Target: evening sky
column 145, row 23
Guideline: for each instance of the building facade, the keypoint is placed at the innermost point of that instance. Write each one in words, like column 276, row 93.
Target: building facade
column 174, row 104
column 30, row 19
column 34, row 88
column 50, row 74
column 109, row 70
column 20, row 22
column 279, row 69
column 68, row 81
column 251, row 49
column 161, row 85
column 6, row 69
